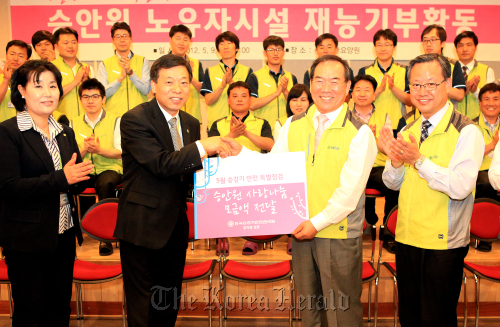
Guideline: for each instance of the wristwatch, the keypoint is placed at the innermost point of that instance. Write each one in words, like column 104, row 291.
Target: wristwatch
column 130, row 72
column 419, row 162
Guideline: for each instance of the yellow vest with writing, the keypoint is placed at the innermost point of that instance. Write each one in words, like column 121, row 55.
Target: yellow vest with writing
column 220, row 108
column 488, row 137
column 469, row 106
column 6, row 111
column 254, row 125
column 323, row 167
column 387, row 101
column 127, row 96
column 70, row 104
column 192, row 106
column 104, row 130
column 267, row 85
column 427, row 218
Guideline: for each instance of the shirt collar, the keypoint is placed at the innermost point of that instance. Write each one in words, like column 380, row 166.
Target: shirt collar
column 244, row 118
column 388, row 68
column 130, row 54
column 331, row 115
column 470, row 66
column 491, row 126
column 102, row 114
column 436, row 118
column 371, row 112
column 167, row 115
column 226, row 66
column 276, row 74
column 25, row 122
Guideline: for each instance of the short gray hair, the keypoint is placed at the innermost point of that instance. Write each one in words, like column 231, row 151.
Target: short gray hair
column 440, row 59
column 347, row 72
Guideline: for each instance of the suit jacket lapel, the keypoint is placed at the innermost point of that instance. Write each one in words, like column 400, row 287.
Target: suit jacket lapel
column 161, row 124
column 64, row 148
column 36, row 142
column 186, row 132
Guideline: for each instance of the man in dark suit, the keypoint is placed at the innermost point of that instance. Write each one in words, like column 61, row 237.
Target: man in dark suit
column 160, row 151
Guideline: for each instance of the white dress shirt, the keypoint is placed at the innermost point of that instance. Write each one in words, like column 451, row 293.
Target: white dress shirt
column 490, row 75
column 353, row 176
column 117, row 139
column 459, row 178
column 494, row 171
column 179, row 129
column 143, row 83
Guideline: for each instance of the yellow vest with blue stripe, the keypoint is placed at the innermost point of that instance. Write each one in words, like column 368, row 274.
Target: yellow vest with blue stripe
column 378, row 118
column 70, row 104
column 427, row 218
column 267, row 85
column 323, row 167
column 127, row 96
column 469, row 106
column 254, row 125
column 7, row 109
column 104, row 130
column 192, row 106
column 488, row 137
column 220, row 108
column 387, row 101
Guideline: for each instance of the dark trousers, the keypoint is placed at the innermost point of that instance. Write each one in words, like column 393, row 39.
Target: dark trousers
column 104, row 184
column 153, row 280
column 42, row 284
column 391, row 197
column 484, row 188
column 429, row 284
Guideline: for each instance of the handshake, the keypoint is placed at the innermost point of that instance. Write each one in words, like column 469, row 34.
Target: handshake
column 223, row 146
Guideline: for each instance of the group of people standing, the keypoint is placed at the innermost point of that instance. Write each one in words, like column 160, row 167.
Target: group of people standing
column 64, row 130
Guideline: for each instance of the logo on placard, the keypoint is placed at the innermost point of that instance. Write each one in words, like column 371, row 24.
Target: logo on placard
column 230, row 223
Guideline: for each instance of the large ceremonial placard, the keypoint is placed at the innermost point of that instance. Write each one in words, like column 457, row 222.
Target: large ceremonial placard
column 250, row 195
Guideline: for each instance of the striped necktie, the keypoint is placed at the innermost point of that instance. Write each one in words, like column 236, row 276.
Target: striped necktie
column 176, row 138
column 464, row 69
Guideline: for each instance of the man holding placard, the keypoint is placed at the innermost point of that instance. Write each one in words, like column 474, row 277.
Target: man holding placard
column 340, row 151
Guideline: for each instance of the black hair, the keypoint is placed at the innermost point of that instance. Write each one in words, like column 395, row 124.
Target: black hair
column 64, row 30
column 273, row 40
column 440, row 31
column 169, row 61
column 40, row 36
column 227, row 36
column 368, row 78
column 465, row 34
column 92, row 84
column 21, row 44
column 347, row 75
column 325, row 36
column 387, row 34
column 430, row 57
column 180, row 29
column 31, row 71
column 490, row 87
column 120, row 26
column 296, row 92
column 239, row 84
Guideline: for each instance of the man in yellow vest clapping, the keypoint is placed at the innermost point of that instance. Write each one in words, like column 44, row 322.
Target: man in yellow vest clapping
column 97, row 133
column 434, row 163
column 125, row 75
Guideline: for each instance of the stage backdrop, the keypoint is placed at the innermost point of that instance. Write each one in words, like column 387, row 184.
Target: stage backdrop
column 354, row 24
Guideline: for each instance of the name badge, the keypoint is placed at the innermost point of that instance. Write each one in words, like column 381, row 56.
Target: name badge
column 63, row 199
column 10, row 105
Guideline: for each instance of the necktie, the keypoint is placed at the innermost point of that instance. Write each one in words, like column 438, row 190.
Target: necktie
column 425, row 131
column 464, row 69
column 176, row 138
column 322, row 119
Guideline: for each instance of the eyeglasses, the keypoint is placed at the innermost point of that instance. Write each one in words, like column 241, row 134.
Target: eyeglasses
column 123, row 37
column 277, row 50
column 431, row 41
column 332, row 82
column 94, row 97
column 427, row 86
column 386, row 45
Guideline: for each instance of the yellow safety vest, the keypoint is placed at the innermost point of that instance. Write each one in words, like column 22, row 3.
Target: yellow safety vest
column 254, row 125
column 70, row 104
column 323, row 167
column 220, row 108
column 267, row 85
column 488, row 137
column 127, row 96
column 7, row 109
column 104, row 130
column 469, row 106
column 192, row 106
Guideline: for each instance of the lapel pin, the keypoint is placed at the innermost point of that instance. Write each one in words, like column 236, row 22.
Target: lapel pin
column 187, row 130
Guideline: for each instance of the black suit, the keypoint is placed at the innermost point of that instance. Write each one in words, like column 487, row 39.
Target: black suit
column 152, row 224
column 39, row 259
